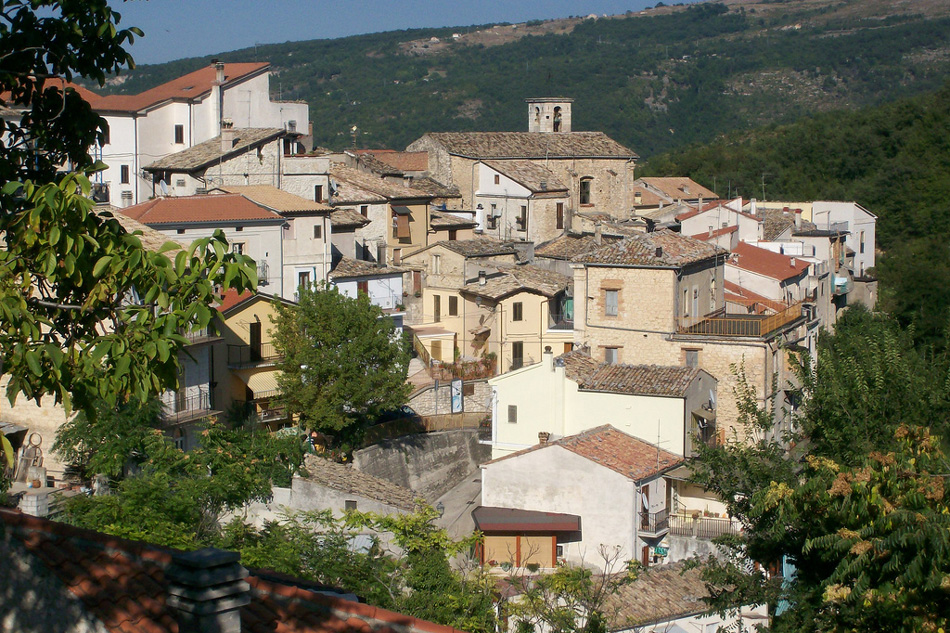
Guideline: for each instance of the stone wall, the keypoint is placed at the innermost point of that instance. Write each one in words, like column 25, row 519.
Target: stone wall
column 437, row 400
column 429, row 464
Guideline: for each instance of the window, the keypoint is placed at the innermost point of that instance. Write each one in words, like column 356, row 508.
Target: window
column 468, row 388
column 685, row 302
column 712, row 293
column 861, row 244
column 559, row 551
column 453, row 235
column 611, row 302
column 436, row 265
column 239, row 228
column 512, row 414
column 585, row 191
column 637, row 197
column 493, row 217
column 237, row 248
column 124, row 175
column 557, row 118
column 560, row 215
column 179, row 134
column 318, row 193
column 695, row 301
column 436, row 308
column 517, row 311
column 517, row 355
column 401, row 226
column 317, row 232
column 691, row 357
column 364, row 210
column 453, row 306
column 179, row 439
column 106, row 136
column 180, row 183
column 362, row 286
column 522, row 219
column 349, row 504
column 497, row 179
column 611, row 355
column 181, row 231
column 303, row 278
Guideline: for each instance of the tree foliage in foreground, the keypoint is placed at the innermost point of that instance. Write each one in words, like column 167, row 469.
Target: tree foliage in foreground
column 858, row 507
column 341, row 362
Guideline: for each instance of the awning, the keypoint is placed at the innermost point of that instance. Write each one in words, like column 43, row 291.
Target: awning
column 481, row 329
column 263, row 383
column 705, row 414
column 401, row 210
column 681, row 473
column 488, row 519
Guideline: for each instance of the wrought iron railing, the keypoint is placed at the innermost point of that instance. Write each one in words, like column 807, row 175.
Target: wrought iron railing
column 703, row 527
column 183, row 405
column 242, row 355
column 654, row 522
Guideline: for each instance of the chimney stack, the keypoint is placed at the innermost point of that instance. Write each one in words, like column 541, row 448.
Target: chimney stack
column 219, row 72
column 227, row 135
column 481, row 278
column 207, row 590
column 798, row 218
column 380, row 255
column 598, row 233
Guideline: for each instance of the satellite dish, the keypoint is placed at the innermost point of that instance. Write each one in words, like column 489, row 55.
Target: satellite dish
column 163, row 187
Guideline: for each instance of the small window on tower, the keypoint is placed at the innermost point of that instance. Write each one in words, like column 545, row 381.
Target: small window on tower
column 179, row 134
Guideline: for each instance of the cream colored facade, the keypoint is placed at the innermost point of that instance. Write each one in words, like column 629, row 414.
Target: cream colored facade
column 564, row 409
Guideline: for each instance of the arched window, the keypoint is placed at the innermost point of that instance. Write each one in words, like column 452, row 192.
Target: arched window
column 557, row 118
column 537, row 115
column 712, row 293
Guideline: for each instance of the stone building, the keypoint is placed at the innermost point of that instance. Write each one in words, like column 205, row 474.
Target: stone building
column 596, row 170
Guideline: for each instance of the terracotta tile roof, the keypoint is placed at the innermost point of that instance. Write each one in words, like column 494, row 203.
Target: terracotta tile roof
column 475, row 247
column 487, row 145
column 372, row 184
column 277, row 199
column 347, row 219
column 208, row 208
column 648, row 197
column 401, row 161
column 124, row 584
column 715, row 204
column 185, row 88
column 658, row 594
column 716, row 233
column 231, row 298
column 570, row 245
column 667, row 213
column 758, row 304
column 765, row 262
column 679, row 188
column 510, row 280
column 151, row 239
column 662, row 249
column 613, row 449
column 347, row 479
column 445, row 221
column 648, row 380
column 209, row 152
column 348, row 268
column 534, row 177
column 777, row 221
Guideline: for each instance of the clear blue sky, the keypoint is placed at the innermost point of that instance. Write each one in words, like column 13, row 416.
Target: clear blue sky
column 187, row 28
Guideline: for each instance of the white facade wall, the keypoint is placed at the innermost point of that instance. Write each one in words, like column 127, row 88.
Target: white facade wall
column 301, row 174
column 303, row 251
column 385, row 292
column 248, row 104
column 791, row 290
column 718, row 218
column 860, row 223
column 554, row 479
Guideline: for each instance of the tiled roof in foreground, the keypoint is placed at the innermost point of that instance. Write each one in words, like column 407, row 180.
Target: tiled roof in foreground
column 648, row 380
column 122, row 586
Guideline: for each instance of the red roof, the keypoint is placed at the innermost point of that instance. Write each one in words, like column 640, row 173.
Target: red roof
column 124, row 585
column 735, row 293
column 765, row 262
column 713, row 205
column 231, row 298
column 716, row 233
column 186, row 87
column 206, row 208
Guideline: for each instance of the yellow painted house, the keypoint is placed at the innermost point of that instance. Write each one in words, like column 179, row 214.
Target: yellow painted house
column 246, row 322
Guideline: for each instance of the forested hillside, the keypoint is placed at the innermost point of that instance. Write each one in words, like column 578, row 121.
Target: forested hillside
column 893, row 159
column 654, row 80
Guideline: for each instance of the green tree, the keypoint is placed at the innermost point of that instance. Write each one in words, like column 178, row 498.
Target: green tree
column 342, row 363
column 89, row 314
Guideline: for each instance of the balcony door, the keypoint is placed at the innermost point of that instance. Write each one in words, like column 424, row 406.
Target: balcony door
column 256, row 341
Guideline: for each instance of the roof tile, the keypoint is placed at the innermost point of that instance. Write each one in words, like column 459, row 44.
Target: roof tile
column 662, row 249
column 209, row 152
column 277, row 199
column 522, row 278
column 765, row 262
column 369, row 183
column 531, row 175
column 540, row 145
column 207, row 208
column 651, row 380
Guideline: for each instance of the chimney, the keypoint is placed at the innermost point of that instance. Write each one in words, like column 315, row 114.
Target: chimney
column 397, row 256
column 710, row 231
column 481, row 278
column 598, row 233
column 548, row 358
column 791, row 262
column 207, row 590
column 798, row 218
column 753, row 207
column 659, row 251
column 219, row 72
column 543, row 437
column 227, row 135
column 380, row 255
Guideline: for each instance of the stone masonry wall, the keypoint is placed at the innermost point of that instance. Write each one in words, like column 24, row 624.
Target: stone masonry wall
column 438, row 400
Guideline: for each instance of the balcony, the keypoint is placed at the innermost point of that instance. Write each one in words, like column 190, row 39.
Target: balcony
column 695, row 525
column 243, row 356
column 181, row 406
column 743, row 325
column 265, row 412
column 201, row 335
column 841, row 286
column 654, row 523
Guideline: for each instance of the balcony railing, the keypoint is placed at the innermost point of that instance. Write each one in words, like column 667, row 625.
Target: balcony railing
column 752, row 325
column 196, row 336
column 245, row 355
column 654, row 522
column 263, row 410
column 182, row 406
column 703, row 527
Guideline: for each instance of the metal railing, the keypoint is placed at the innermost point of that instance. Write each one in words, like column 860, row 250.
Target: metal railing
column 421, row 350
column 243, row 355
column 263, row 411
column 744, row 324
column 703, row 527
column 199, row 334
column 183, row 406
column 654, row 522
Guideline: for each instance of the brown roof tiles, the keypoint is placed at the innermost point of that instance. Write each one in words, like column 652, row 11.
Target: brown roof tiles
column 650, row 380
column 475, row 247
column 209, row 152
column 347, row 219
column 513, row 279
column 660, row 249
column 348, row 268
column 347, row 479
column 532, row 176
column 570, row 245
column 679, row 188
column 446, row 221
column 658, row 594
column 372, row 184
column 487, row 145
column 277, row 199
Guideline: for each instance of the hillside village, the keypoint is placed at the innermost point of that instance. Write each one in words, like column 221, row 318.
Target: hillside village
column 581, row 329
